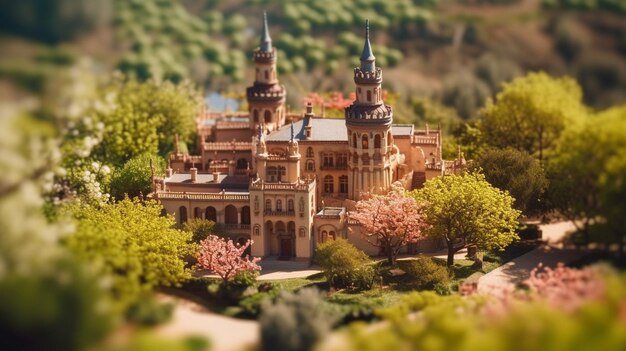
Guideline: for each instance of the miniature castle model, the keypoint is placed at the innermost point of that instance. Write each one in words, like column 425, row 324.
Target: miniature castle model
column 289, row 186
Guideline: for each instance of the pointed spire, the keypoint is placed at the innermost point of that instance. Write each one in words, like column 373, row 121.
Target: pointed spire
column 367, row 57
column 266, row 40
column 291, row 131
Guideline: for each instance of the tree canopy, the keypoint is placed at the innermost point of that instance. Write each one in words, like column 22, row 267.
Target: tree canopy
column 530, row 113
column 134, row 245
column 466, row 210
column 134, row 179
column 585, row 169
column 516, row 172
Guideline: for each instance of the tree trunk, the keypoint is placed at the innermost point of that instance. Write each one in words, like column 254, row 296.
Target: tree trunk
column 390, row 256
column 451, row 251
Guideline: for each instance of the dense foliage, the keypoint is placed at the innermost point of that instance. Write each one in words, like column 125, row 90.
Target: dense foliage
column 134, row 179
column 531, row 112
column 201, row 228
column 426, row 273
column 295, row 321
column 516, row 172
column 466, row 210
column 344, row 265
column 585, row 172
column 133, row 245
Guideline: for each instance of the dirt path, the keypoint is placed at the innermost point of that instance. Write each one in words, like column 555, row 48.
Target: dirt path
column 224, row 333
column 517, row 270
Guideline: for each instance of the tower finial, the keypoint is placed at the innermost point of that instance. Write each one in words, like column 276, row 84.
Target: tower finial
column 266, row 40
column 367, row 57
column 291, row 130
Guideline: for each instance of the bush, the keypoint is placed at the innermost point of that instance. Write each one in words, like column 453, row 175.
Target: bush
column 344, row 265
column 149, row 312
column 426, row 273
column 529, row 232
column 295, row 321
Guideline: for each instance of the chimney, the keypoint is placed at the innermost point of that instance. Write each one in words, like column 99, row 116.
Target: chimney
column 169, row 172
column 427, row 131
column 216, row 176
column 194, row 174
column 307, row 120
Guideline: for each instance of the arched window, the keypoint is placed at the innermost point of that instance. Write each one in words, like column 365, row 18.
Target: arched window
column 331, row 235
column 290, row 205
column 369, row 95
column 279, row 205
column 182, row 211
column 354, row 140
column 255, row 114
column 377, row 141
column 329, row 184
column 210, row 214
column 309, row 152
column 231, row 215
column 242, row 163
column 268, row 116
column 323, row 236
column 245, row 215
column 310, row 166
column 268, row 205
column 267, row 75
column 197, row 212
column 364, row 142
column 256, row 231
column 343, row 184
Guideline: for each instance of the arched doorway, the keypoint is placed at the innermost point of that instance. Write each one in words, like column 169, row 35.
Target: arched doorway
column 210, row 214
column 245, row 215
column 285, row 242
column 231, row 215
column 182, row 211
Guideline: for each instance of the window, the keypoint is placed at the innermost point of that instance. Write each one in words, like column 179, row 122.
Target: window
column 364, row 142
column 290, row 205
column 268, row 205
column 331, row 235
column 323, row 236
column 257, row 231
column 310, row 166
column 255, row 113
column 282, row 171
column 309, row 152
column 377, row 141
column 329, row 184
column 268, row 117
column 388, row 138
column 267, row 75
column 342, row 160
column 354, row 140
column 272, row 174
column 279, row 205
column 327, row 160
column 369, row 95
column 183, row 214
column 343, row 184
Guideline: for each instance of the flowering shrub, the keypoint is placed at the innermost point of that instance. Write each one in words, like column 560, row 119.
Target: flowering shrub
column 225, row 258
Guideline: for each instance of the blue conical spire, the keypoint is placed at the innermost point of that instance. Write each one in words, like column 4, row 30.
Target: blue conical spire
column 367, row 57
column 266, row 40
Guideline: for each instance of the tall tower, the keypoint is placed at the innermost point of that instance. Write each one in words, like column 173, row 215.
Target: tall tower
column 266, row 97
column 368, row 121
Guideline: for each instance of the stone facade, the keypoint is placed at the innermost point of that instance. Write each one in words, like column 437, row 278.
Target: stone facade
column 290, row 186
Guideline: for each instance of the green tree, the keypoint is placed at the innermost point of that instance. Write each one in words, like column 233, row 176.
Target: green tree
column 133, row 244
column 583, row 170
column 201, row 228
column 134, row 179
column 145, row 118
column 466, row 210
column 516, row 172
column 530, row 113
column 343, row 264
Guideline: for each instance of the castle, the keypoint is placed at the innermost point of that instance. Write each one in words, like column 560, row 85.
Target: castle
column 289, row 186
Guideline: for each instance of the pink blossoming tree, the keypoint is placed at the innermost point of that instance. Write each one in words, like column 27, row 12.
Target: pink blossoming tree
column 225, row 258
column 390, row 221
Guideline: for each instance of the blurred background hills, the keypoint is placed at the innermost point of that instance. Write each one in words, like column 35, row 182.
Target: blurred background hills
column 456, row 52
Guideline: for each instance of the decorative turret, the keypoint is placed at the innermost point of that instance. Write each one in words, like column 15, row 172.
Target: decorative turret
column 294, row 150
column 266, row 97
column 368, row 122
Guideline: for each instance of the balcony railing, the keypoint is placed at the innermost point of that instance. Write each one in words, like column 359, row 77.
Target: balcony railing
column 338, row 167
column 236, row 226
column 279, row 213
